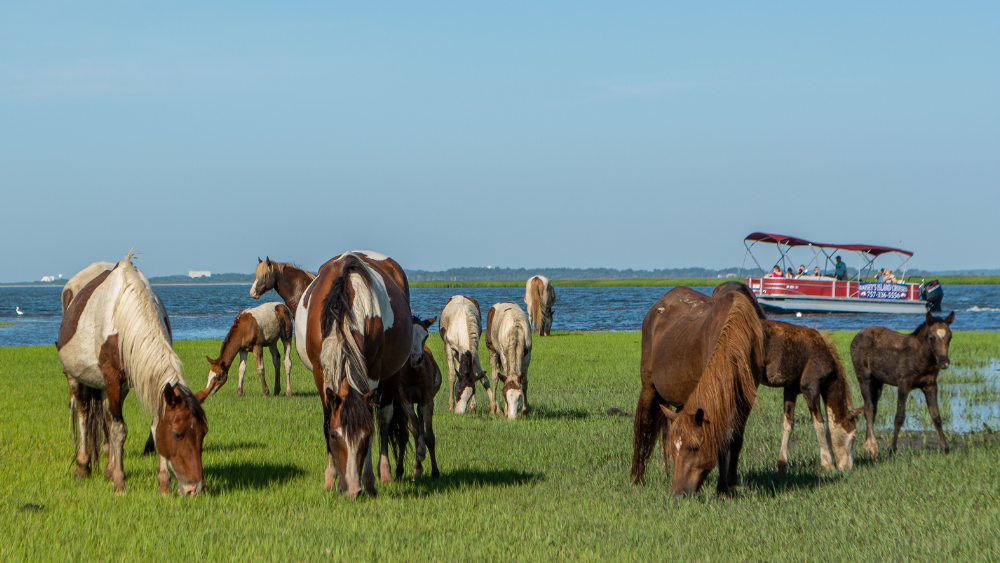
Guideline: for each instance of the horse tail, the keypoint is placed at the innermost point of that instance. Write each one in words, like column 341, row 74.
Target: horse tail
column 340, row 354
column 399, row 432
column 536, row 303
column 93, row 403
column 650, row 425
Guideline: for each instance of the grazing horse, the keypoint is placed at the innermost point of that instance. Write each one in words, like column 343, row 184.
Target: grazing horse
column 115, row 336
column 508, row 339
column 539, row 297
column 800, row 360
column 353, row 328
column 252, row 330
column 703, row 355
column 460, row 327
column 419, row 382
column 908, row 361
column 76, row 283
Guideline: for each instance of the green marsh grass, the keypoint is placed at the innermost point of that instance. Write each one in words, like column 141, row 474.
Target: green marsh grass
column 554, row 485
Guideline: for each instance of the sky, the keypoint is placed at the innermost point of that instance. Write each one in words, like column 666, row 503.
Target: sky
column 638, row 135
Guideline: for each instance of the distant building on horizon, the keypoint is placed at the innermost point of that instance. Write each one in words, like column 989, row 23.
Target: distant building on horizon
column 199, row 274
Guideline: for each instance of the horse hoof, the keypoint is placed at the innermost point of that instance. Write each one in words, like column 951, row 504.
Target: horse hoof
column 239, row 392
column 82, row 472
column 435, row 473
column 288, row 393
column 782, row 467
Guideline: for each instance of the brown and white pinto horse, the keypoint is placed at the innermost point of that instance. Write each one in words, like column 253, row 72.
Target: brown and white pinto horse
column 115, row 336
column 353, row 326
column 252, row 330
column 539, row 297
column 508, row 339
column 419, row 382
column 703, row 355
column 460, row 327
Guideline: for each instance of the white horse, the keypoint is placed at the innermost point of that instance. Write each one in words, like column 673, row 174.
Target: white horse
column 460, row 327
column 508, row 338
column 539, row 297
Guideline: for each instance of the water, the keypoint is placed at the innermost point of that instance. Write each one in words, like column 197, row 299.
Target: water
column 207, row 311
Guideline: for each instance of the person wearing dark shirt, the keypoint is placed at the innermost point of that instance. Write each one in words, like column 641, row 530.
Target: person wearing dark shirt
column 841, row 270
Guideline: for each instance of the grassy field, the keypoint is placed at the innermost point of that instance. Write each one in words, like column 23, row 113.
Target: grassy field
column 670, row 282
column 555, row 485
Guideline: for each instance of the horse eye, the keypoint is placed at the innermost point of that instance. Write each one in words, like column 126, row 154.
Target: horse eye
column 177, row 436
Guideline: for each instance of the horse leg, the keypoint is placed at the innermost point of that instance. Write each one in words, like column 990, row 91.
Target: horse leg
column 163, row 475
column 643, row 433
column 871, row 392
column 902, row 393
column 117, row 432
column 735, row 447
column 427, row 421
column 411, row 422
column 494, row 371
column 812, row 396
column 288, row 368
column 452, row 376
column 368, row 475
column 80, row 408
column 384, row 416
column 243, row 369
column 276, row 361
column 524, row 393
column 930, row 395
column 724, row 487
column 787, row 425
column 258, row 354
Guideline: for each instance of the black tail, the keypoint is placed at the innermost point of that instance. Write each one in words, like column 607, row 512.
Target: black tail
column 399, row 432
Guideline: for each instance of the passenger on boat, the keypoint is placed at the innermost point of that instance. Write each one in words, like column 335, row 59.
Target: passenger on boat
column 801, row 271
column 841, row 270
column 790, row 274
column 775, row 273
column 816, row 271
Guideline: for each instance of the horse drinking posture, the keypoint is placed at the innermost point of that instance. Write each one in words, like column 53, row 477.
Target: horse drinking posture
column 908, row 361
column 800, row 360
column 703, row 355
column 508, row 339
column 460, row 327
column 419, row 382
column 353, row 327
column 115, row 336
column 539, row 297
column 252, row 330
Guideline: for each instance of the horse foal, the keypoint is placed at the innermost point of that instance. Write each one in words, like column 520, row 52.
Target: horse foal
column 420, row 379
column 508, row 339
column 254, row 329
column 460, row 328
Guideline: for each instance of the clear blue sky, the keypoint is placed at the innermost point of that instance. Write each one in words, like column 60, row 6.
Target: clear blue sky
column 449, row 134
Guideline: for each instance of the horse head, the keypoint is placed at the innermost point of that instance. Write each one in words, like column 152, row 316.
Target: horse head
column 513, row 393
column 465, row 380
column 218, row 374
column 938, row 335
column 180, row 430
column 264, row 278
column 545, row 329
column 420, row 332
column 351, row 425
column 686, row 442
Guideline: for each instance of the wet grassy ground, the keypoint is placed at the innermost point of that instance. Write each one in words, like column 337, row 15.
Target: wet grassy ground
column 553, row 485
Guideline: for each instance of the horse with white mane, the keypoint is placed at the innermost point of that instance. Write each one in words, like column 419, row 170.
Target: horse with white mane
column 114, row 337
column 460, row 328
column 539, row 297
column 508, row 338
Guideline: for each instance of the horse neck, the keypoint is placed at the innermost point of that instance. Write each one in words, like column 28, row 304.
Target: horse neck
column 230, row 348
column 290, row 283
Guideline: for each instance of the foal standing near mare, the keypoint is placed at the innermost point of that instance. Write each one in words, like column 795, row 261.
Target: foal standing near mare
column 460, row 327
column 508, row 339
column 705, row 356
column 419, row 382
column 115, row 336
column 908, row 361
column 800, row 360
column 252, row 330
column 354, row 328
column 539, row 297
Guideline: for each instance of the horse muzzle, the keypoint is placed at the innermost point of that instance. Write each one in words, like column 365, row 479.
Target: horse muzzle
column 190, row 489
column 943, row 362
column 416, row 360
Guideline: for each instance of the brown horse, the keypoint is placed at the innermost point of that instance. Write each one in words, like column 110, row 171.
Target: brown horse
column 420, row 380
column 703, row 355
column 354, row 323
column 909, row 361
column 115, row 337
column 288, row 280
column 252, row 331
column 800, row 360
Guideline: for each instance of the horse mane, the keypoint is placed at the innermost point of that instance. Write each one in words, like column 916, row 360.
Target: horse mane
column 728, row 383
column 340, row 352
column 279, row 267
column 147, row 353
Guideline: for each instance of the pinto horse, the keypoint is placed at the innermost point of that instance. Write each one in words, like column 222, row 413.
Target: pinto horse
column 253, row 330
column 508, row 339
column 460, row 327
column 539, row 297
column 420, row 380
column 908, row 361
column 704, row 356
column 353, row 327
column 114, row 337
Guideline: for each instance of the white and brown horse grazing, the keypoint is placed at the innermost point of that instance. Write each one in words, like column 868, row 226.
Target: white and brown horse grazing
column 76, row 283
column 460, row 327
column 703, row 355
column 539, row 297
column 800, row 360
column 114, row 337
column 353, row 327
column 508, row 339
column 419, row 382
column 252, row 331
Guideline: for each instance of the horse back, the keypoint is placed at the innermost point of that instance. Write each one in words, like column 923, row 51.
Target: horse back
column 789, row 349
column 880, row 351
column 674, row 343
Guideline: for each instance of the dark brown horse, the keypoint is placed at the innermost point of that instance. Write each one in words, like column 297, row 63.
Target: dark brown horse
column 354, row 324
column 420, row 380
column 800, row 360
column 908, row 361
column 704, row 356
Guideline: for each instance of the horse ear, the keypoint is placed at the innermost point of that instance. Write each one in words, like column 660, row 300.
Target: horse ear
column 699, row 417
column 502, row 377
column 429, row 322
column 930, row 318
column 950, row 318
column 853, row 414
column 345, row 388
column 671, row 415
column 171, row 396
column 371, row 398
column 521, row 378
column 332, row 398
column 268, row 260
column 259, row 260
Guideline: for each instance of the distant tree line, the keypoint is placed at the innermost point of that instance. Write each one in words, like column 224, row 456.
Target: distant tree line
column 509, row 274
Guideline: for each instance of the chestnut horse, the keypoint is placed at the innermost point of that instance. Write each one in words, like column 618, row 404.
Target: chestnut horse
column 353, row 326
column 114, row 337
column 508, row 339
column 459, row 328
column 287, row 280
column 705, row 356
column 908, row 361
column 539, row 297
column 800, row 360
column 255, row 328
column 420, row 380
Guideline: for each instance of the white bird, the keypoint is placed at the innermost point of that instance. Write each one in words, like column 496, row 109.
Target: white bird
column 19, row 311
column 798, row 315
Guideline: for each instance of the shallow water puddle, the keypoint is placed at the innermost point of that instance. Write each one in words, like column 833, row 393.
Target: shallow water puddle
column 968, row 397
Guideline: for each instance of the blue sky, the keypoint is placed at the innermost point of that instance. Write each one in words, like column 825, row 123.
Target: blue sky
column 448, row 134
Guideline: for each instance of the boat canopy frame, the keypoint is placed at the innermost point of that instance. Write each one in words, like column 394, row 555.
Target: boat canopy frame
column 867, row 253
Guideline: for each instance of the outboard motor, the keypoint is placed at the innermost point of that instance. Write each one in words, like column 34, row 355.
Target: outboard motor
column 932, row 293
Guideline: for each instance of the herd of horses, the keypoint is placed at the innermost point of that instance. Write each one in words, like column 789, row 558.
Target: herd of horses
column 703, row 358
